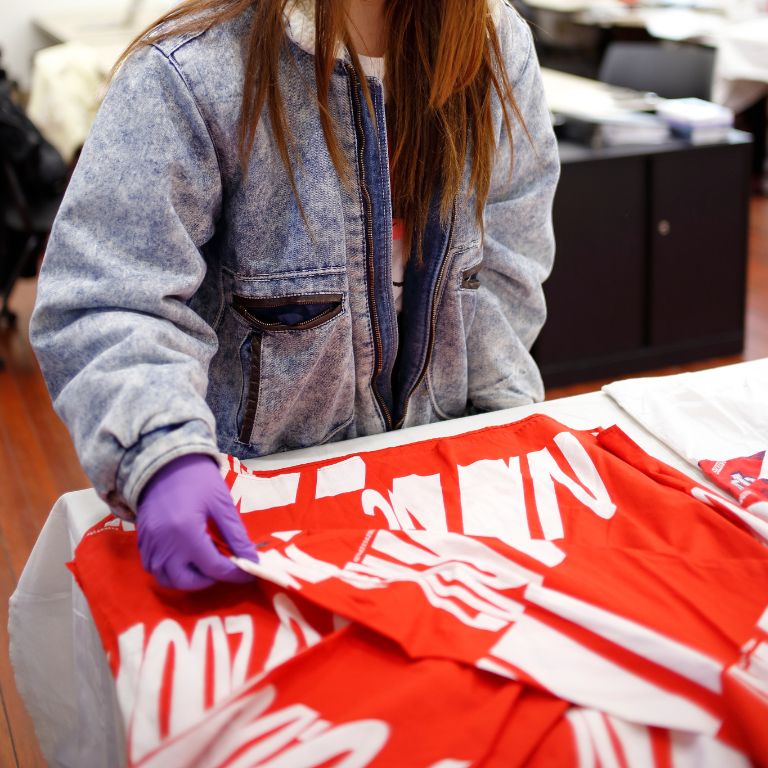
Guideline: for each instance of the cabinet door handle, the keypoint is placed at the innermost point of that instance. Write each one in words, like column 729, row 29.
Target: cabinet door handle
column 664, row 227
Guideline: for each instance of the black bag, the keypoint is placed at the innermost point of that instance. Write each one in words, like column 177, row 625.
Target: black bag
column 33, row 176
column 39, row 167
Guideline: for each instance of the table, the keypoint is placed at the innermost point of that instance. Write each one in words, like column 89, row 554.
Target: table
column 571, row 94
column 60, row 668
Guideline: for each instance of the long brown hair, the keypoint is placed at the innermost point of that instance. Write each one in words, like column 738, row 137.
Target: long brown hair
column 443, row 62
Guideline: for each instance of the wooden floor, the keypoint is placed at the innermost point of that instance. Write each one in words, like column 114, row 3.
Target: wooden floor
column 37, row 463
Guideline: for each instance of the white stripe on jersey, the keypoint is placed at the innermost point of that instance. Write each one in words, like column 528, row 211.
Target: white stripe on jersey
column 639, row 639
column 573, row 672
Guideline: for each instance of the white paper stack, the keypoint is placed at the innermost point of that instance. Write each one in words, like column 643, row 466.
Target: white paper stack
column 695, row 119
column 633, row 128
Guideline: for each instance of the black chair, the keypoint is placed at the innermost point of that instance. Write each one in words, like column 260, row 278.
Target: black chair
column 671, row 70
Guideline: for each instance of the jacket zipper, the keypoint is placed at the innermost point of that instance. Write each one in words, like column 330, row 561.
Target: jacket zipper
column 379, row 355
column 432, row 321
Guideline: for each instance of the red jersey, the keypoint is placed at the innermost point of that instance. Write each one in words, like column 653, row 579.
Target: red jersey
column 500, row 597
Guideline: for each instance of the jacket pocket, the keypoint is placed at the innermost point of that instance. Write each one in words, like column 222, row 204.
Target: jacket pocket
column 447, row 380
column 272, row 315
column 288, row 312
column 470, row 278
column 298, row 370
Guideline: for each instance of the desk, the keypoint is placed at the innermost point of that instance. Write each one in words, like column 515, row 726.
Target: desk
column 60, row 667
column 736, row 30
column 570, row 94
column 651, row 251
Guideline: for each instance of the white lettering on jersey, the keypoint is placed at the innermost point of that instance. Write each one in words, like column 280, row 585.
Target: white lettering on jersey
column 642, row 640
column 374, row 502
column 415, row 501
column 418, row 502
column 143, row 670
column 762, row 622
column 491, row 491
column 242, row 734
column 252, row 493
column 576, row 673
column 493, row 504
column 287, row 641
column 608, row 741
column 590, row 490
column 342, row 477
column 457, row 575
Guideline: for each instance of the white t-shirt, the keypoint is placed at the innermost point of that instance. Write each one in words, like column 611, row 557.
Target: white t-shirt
column 373, row 66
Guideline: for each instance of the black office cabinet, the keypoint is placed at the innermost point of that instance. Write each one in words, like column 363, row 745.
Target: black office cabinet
column 651, row 259
column 595, row 300
column 699, row 205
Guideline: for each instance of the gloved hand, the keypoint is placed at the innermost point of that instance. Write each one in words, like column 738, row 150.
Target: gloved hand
column 171, row 520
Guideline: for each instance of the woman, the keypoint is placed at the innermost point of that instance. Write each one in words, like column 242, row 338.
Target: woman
column 274, row 239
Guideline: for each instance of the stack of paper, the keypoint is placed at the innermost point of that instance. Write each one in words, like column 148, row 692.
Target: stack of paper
column 695, row 119
column 633, row 128
column 614, row 129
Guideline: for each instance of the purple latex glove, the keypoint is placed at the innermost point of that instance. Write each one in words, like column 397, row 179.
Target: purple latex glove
column 172, row 518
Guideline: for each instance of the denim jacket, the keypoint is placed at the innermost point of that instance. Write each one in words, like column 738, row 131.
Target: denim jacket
column 183, row 307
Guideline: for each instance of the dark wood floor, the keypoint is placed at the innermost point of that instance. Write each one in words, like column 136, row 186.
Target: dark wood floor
column 37, row 463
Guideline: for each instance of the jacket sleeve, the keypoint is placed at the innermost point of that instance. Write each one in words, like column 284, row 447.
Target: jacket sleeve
column 518, row 247
column 124, row 356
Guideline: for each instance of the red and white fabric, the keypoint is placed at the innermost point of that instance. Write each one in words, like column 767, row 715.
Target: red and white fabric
column 716, row 420
column 520, row 595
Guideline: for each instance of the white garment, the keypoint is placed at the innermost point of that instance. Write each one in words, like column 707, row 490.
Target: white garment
column 68, row 83
column 715, row 414
column 373, row 66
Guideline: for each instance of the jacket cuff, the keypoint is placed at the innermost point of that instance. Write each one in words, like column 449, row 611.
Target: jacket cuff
column 149, row 455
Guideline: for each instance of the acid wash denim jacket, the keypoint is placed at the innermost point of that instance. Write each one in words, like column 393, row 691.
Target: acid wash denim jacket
column 186, row 307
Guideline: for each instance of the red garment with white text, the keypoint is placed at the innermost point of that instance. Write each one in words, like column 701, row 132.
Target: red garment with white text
column 563, row 583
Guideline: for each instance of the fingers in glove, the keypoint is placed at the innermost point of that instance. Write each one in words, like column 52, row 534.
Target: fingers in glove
column 230, row 525
column 177, row 575
column 210, row 562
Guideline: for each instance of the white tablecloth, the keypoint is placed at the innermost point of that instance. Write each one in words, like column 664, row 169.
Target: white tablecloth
column 60, row 668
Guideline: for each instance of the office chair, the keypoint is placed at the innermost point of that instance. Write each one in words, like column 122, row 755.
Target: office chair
column 670, row 70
